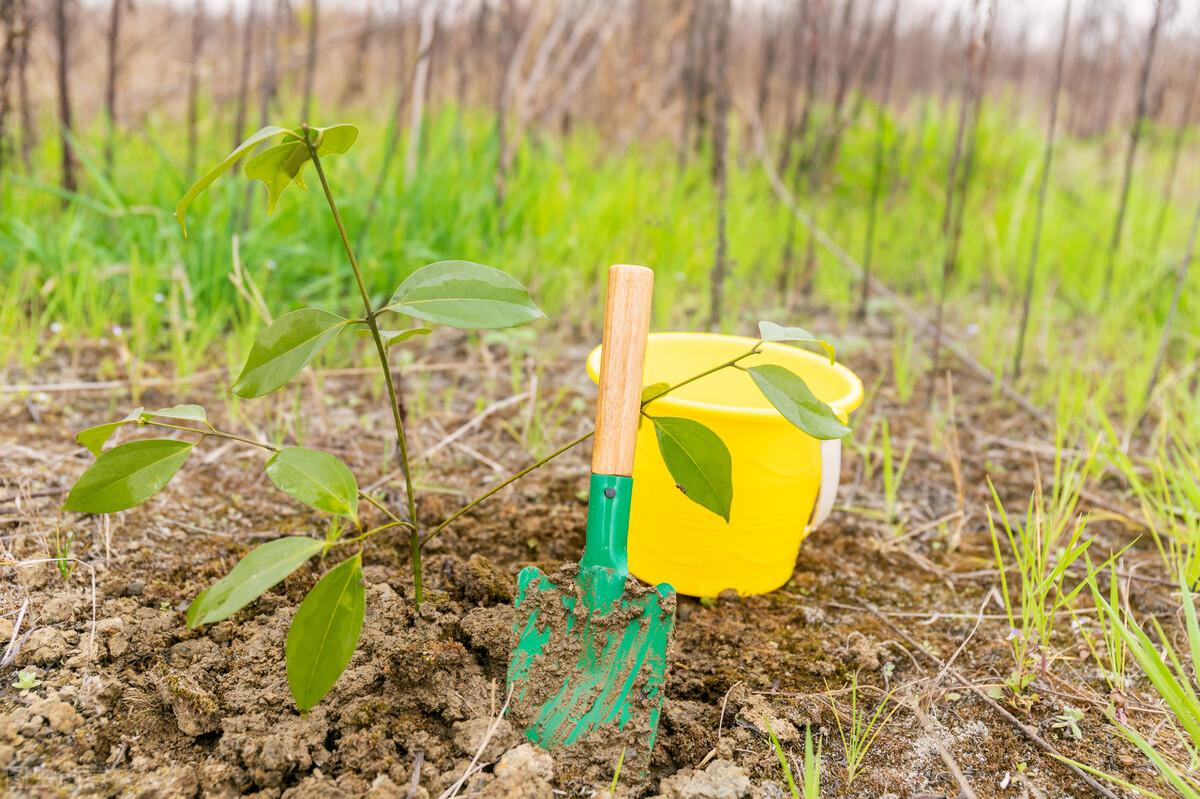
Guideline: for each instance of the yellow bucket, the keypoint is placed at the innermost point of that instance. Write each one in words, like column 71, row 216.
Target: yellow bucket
column 784, row 481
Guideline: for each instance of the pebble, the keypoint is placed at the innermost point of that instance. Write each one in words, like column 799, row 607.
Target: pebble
column 62, row 716
column 135, row 588
column 469, row 734
column 45, row 645
column 721, row 780
column 525, row 761
column 58, row 609
column 6, row 630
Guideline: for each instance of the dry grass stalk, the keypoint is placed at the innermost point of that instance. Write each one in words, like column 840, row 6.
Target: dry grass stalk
column 1135, row 137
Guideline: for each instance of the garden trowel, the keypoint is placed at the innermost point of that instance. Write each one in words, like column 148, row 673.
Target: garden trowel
column 589, row 665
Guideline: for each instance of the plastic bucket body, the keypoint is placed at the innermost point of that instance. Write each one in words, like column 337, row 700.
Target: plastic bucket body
column 783, row 479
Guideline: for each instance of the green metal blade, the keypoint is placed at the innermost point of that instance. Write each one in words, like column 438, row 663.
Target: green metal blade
column 576, row 673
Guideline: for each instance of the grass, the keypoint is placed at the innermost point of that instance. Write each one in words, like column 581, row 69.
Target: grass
column 859, row 732
column 1174, row 681
column 1042, row 549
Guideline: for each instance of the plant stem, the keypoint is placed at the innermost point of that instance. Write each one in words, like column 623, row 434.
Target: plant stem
column 212, row 432
column 414, row 539
column 509, row 481
column 373, row 531
column 496, row 489
column 706, row 373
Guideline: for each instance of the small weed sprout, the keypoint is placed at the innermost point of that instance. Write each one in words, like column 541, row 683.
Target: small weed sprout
column 859, row 732
column 812, row 766
column 26, row 681
column 892, row 473
column 63, row 544
column 1068, row 722
column 784, row 766
column 904, row 368
column 1109, row 652
column 1043, row 548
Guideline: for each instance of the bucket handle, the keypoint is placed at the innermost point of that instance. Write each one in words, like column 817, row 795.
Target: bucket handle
column 831, row 475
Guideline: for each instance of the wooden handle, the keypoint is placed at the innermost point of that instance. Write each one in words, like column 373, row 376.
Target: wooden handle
column 622, row 358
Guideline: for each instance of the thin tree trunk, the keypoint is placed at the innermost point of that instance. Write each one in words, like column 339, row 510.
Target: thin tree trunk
column 881, row 118
column 1135, row 136
column 243, row 91
column 1181, row 129
column 390, row 144
column 28, row 131
column 720, row 177
column 193, row 98
column 420, row 89
column 691, row 79
column 112, row 58
column 310, row 59
column 964, row 111
column 353, row 87
column 270, row 77
column 770, row 36
column 63, row 44
column 798, row 140
column 9, row 29
column 1047, row 160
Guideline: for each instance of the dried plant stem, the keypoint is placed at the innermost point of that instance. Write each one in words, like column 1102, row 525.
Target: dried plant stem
column 1135, row 137
column 193, row 91
column 1047, row 160
column 720, row 165
column 881, row 124
column 63, row 51
column 957, row 183
column 310, row 59
column 420, row 90
column 112, row 64
column 244, row 64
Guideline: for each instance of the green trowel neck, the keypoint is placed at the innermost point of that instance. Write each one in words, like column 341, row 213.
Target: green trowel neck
column 605, row 564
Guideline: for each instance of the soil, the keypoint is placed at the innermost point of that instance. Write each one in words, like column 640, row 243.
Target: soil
column 129, row 702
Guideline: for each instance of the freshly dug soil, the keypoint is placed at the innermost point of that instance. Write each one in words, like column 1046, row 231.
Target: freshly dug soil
column 126, row 701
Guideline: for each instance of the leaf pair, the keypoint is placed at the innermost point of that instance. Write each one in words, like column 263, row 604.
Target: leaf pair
column 94, row 438
column 277, row 166
column 459, row 294
column 326, row 627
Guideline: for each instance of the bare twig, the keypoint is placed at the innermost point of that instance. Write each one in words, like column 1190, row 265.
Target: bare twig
column 1047, row 160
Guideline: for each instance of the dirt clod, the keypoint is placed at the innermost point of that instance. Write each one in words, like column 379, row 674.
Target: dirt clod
column 720, row 780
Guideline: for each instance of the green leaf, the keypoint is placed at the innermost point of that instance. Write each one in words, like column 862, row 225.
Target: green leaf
column 200, row 185
column 325, row 632
column 393, row 337
column 191, row 413
column 317, row 479
column 769, row 331
column 791, row 397
column 284, row 348
column 654, row 391
column 127, row 475
column 262, row 568
column 94, row 437
column 698, row 461
column 465, row 295
column 281, row 165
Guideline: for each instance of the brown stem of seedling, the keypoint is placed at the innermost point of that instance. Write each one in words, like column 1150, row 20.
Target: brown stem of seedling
column 381, row 349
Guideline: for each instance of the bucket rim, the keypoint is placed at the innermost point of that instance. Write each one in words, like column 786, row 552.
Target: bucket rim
column 842, row 406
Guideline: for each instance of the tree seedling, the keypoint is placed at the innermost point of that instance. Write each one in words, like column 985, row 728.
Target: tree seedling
column 460, row 294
